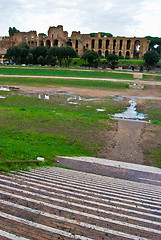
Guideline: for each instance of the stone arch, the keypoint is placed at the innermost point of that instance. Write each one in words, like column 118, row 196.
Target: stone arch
column 106, row 53
column 137, row 45
column 128, row 44
column 107, row 43
column 99, row 53
column 48, row 43
column 93, row 43
column 100, row 43
column 114, row 44
column 55, row 42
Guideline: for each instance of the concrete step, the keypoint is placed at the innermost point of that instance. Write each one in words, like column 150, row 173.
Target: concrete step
column 116, row 169
column 56, row 203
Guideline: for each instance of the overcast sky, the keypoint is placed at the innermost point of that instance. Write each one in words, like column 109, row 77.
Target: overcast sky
column 120, row 17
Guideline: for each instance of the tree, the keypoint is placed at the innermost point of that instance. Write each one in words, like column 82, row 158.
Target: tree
column 13, row 54
column 69, row 53
column 41, row 60
column 151, row 58
column 104, row 34
column 12, row 31
column 112, row 60
column 29, row 58
column 37, row 52
column 155, row 44
column 92, row 57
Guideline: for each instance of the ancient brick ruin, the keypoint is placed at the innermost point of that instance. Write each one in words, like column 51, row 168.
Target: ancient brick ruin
column 122, row 46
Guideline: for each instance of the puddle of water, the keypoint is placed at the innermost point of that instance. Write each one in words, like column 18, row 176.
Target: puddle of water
column 117, row 98
column 100, row 109
column 2, row 97
column 4, row 89
column 74, row 103
column 131, row 112
column 47, row 97
column 79, row 98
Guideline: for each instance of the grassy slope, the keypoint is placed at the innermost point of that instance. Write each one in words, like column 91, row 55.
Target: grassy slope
column 31, row 127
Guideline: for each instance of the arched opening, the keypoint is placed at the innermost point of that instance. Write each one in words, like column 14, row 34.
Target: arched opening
column 128, row 44
column 55, row 42
column 100, row 43
column 32, row 43
column 99, row 53
column 48, row 44
column 69, row 43
column 120, row 54
column 76, row 44
column 106, row 53
column 84, row 49
column 107, row 43
column 137, row 46
column 121, row 42
column 93, row 43
column 114, row 44
column 113, row 52
column 127, row 54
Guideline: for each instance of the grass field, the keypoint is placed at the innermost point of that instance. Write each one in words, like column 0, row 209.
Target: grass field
column 62, row 73
column 32, row 127
column 62, row 82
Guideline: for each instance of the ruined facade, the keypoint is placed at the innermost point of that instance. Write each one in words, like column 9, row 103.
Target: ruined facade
column 121, row 46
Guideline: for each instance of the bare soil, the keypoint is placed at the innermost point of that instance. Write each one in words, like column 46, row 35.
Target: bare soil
column 150, row 91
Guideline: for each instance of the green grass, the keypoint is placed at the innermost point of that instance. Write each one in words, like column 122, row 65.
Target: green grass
column 32, row 127
column 156, row 156
column 131, row 62
column 153, row 109
column 151, row 77
column 62, row 73
column 62, row 82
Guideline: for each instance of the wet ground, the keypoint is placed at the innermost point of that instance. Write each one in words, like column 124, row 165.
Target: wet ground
column 132, row 137
column 129, row 113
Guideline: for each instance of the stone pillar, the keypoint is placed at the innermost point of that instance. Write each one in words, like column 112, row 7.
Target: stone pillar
column 117, row 46
column 111, row 46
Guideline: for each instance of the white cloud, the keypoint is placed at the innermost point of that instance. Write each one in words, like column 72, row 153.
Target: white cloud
column 120, row 17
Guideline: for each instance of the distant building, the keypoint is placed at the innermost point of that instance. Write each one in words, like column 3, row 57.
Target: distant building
column 131, row 47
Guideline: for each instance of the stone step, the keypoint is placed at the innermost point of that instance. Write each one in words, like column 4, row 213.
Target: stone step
column 115, row 169
column 56, row 203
